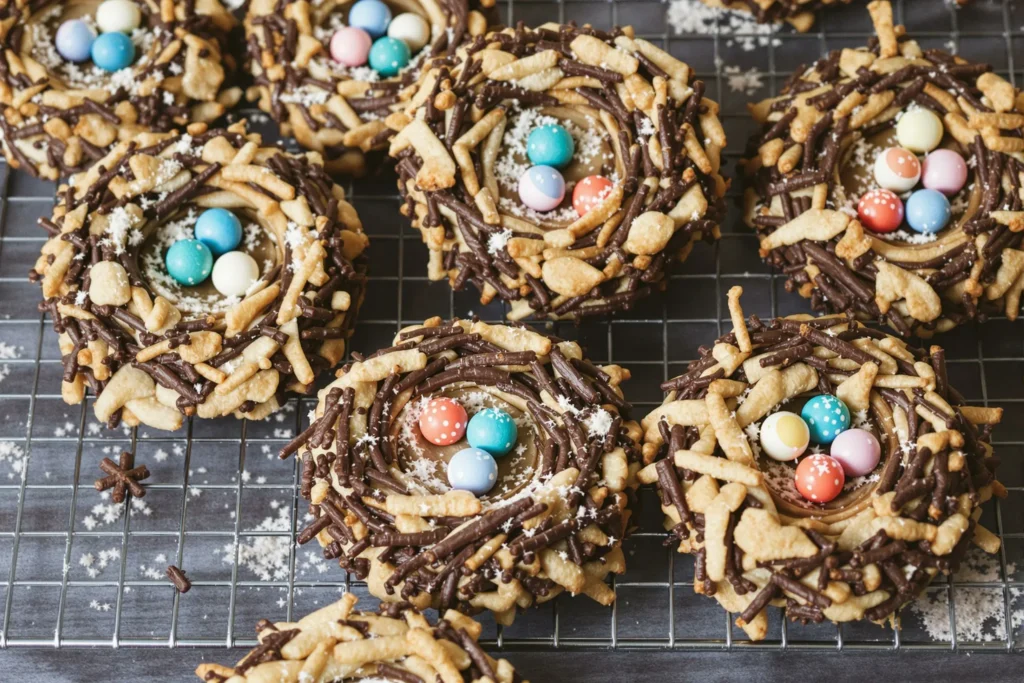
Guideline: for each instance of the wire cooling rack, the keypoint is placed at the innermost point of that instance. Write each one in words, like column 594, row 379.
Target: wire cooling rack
column 78, row 571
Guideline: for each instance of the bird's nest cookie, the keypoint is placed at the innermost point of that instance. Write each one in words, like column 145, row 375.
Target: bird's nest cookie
column 637, row 117
column 59, row 117
column 152, row 350
column 886, row 534
column 555, row 516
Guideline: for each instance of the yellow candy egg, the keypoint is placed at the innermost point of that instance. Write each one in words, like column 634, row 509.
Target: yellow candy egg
column 784, row 436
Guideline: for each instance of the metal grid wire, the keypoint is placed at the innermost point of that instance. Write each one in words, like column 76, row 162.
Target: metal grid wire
column 216, row 483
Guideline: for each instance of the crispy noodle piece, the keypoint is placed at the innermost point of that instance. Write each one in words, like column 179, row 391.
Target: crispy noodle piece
column 875, row 547
column 153, row 351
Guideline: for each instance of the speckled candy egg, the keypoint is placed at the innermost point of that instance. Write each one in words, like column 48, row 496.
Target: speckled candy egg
column 928, row 211
column 944, row 171
column 350, row 46
column 919, row 130
column 373, row 16
column 219, row 229
column 542, row 188
column 590, row 192
column 826, row 416
column 819, row 478
column 74, row 40
column 443, row 421
column 858, row 451
column 234, row 273
column 189, row 262
column 473, row 470
column 121, row 16
column 112, row 51
column 492, row 430
column 550, row 145
column 410, row 28
column 388, row 56
column 897, row 169
column 784, row 436
column 880, row 211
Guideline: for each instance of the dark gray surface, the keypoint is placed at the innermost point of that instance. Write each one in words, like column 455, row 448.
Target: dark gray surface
column 657, row 631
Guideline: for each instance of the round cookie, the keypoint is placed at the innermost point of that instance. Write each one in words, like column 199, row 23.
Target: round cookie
column 59, row 116
column 396, row 643
column 338, row 108
column 758, row 536
column 947, row 262
column 153, row 350
column 638, row 118
column 556, row 514
column 798, row 13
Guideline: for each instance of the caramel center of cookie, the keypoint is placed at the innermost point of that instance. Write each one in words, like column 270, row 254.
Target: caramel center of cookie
column 425, row 463
column 257, row 241
column 593, row 156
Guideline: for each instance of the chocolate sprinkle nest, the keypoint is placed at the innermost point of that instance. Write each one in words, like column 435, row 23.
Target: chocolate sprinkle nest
column 798, row 13
column 416, row 540
column 152, row 359
column 57, row 122
column 339, row 111
column 796, row 202
column 662, row 134
column 888, row 534
column 397, row 643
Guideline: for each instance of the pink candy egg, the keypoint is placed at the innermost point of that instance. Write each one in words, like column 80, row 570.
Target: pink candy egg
column 858, row 451
column 897, row 169
column 819, row 478
column 880, row 211
column 944, row 171
column 443, row 421
column 350, row 46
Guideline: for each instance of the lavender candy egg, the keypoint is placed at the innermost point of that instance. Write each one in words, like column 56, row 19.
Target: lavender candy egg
column 473, row 470
column 542, row 188
column 944, row 171
column 858, row 451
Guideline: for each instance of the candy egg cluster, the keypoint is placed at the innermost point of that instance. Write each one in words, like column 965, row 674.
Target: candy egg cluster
column 824, row 420
column 217, row 233
column 76, row 40
column 373, row 37
column 550, row 148
column 491, row 434
column 942, row 173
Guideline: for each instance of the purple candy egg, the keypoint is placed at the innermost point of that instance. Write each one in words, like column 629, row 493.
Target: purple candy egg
column 542, row 188
column 858, row 451
column 944, row 171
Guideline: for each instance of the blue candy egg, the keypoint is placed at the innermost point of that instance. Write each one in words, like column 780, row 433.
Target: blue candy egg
column 473, row 470
column 74, row 40
column 492, row 430
column 826, row 417
column 927, row 211
column 550, row 145
column 373, row 16
column 388, row 56
column 113, row 51
column 220, row 230
column 189, row 262
column 542, row 188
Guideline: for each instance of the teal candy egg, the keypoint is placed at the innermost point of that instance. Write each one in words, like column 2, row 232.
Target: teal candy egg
column 189, row 262
column 473, row 470
column 550, row 145
column 492, row 430
column 826, row 417
column 113, row 51
column 220, row 230
column 388, row 56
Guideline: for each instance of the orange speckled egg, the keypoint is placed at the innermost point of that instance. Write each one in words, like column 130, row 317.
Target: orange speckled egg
column 819, row 478
column 443, row 421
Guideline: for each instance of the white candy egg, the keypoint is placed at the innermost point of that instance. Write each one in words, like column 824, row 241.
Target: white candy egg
column 234, row 273
column 784, row 436
column 919, row 130
column 118, row 16
column 897, row 169
column 410, row 28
